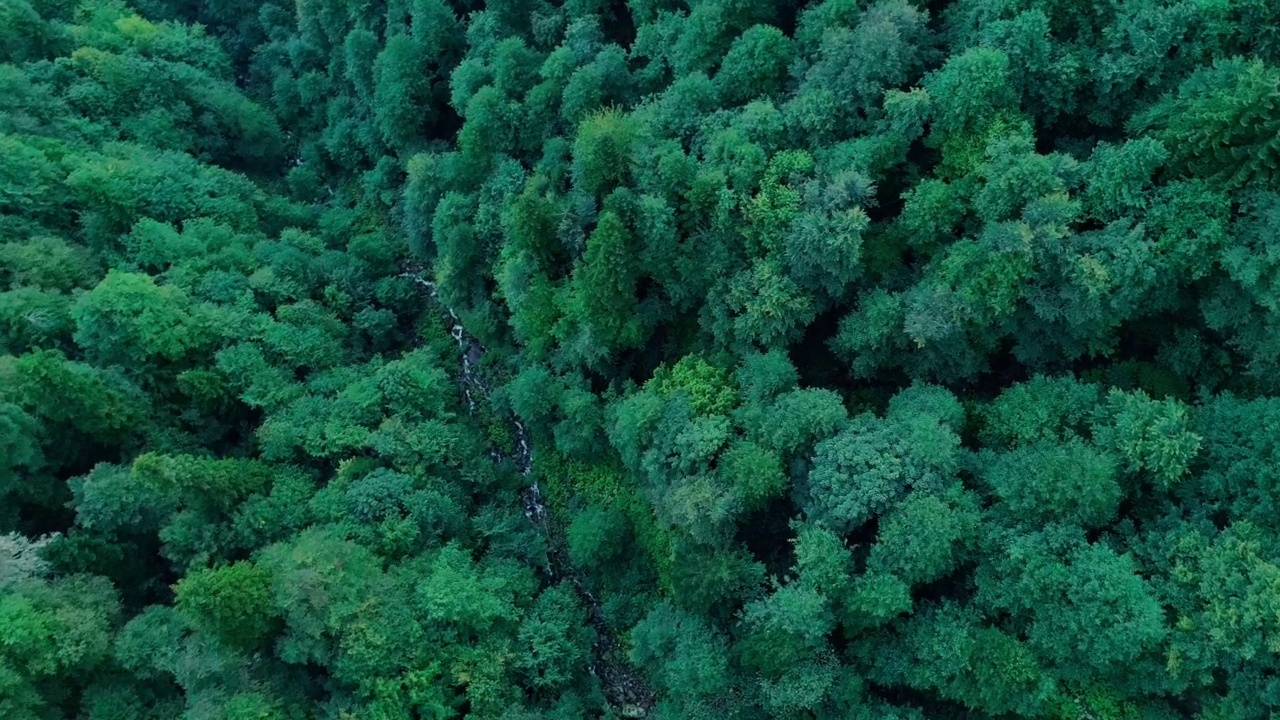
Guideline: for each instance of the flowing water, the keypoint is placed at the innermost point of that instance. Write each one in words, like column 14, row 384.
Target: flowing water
column 623, row 687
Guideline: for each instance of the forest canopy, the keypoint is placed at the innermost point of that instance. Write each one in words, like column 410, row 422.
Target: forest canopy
column 676, row 359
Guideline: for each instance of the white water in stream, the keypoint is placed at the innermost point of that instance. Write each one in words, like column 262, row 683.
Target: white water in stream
column 624, row 689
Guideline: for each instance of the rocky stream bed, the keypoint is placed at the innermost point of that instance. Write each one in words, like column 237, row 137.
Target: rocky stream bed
column 623, row 687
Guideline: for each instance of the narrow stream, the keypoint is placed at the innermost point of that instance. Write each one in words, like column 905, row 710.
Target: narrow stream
column 623, row 687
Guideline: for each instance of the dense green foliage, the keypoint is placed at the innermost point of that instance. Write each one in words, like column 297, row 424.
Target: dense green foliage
column 879, row 358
